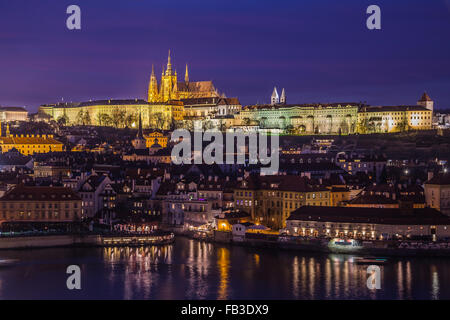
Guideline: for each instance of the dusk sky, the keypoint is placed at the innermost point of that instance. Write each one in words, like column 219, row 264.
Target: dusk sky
column 318, row 50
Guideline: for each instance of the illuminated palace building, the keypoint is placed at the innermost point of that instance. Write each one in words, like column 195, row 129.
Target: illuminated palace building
column 338, row 118
column 165, row 104
column 29, row 144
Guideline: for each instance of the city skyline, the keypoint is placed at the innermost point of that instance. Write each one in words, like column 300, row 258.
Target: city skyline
column 43, row 62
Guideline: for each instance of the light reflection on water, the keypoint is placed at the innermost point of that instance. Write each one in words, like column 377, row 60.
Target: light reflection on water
column 197, row 270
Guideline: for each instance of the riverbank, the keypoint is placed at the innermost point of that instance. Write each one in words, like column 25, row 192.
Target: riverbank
column 392, row 248
column 88, row 240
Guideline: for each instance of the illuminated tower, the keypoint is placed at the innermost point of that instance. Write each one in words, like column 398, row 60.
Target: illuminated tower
column 283, row 97
column 153, row 88
column 275, row 98
column 139, row 142
column 168, row 90
column 7, row 130
column 426, row 101
column 186, row 75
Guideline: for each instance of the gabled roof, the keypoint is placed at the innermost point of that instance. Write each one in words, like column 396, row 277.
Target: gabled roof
column 440, row 179
column 197, row 86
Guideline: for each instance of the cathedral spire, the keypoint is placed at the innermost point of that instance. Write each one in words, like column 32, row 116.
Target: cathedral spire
column 169, row 66
column 283, row 97
column 153, row 87
column 186, row 75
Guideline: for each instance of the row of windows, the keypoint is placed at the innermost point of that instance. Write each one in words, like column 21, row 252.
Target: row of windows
column 38, row 205
column 38, row 215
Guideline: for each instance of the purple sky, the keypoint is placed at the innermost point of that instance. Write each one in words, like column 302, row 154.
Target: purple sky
column 318, row 50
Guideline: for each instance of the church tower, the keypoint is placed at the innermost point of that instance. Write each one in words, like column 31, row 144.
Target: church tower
column 168, row 90
column 283, row 97
column 186, row 75
column 425, row 101
column 275, row 98
column 139, row 142
column 153, row 88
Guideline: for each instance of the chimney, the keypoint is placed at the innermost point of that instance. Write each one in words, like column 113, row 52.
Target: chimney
column 430, row 175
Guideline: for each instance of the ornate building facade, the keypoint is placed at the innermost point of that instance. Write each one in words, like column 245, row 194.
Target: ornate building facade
column 337, row 118
column 303, row 119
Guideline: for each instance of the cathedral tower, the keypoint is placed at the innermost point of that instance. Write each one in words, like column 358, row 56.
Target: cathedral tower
column 153, row 88
column 168, row 90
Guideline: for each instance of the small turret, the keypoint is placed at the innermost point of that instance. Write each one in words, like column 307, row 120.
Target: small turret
column 425, row 101
column 283, row 97
column 275, row 98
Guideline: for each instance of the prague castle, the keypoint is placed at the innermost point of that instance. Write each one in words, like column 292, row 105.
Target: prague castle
column 173, row 103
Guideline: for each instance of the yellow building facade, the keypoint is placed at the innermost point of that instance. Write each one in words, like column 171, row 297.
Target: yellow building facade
column 118, row 113
column 29, row 144
column 155, row 138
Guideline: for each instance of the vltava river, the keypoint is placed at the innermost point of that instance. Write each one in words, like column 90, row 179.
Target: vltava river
column 195, row 270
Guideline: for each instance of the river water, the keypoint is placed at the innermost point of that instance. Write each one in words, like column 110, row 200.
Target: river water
column 189, row 269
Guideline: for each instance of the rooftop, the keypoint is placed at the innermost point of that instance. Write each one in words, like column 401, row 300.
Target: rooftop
column 423, row 216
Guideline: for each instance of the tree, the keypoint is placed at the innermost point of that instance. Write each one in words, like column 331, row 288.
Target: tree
column 130, row 119
column 118, row 118
column 80, row 117
column 363, row 125
column 160, row 120
column 207, row 124
column 62, row 120
column 104, row 119
column 223, row 126
column 290, row 129
column 403, row 125
column 86, row 118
